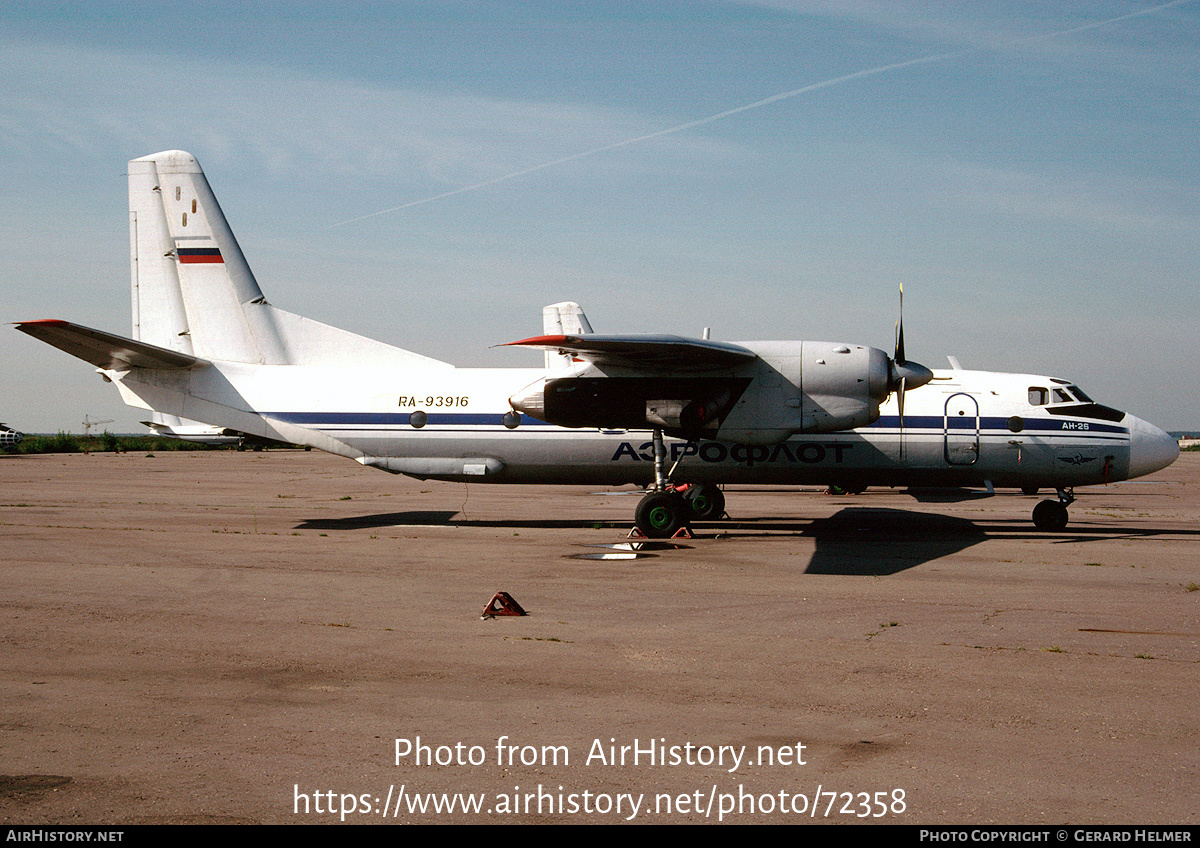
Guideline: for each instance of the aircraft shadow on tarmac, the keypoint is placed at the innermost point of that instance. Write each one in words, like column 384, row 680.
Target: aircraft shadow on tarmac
column 876, row 542
column 868, row 541
column 853, row 541
column 447, row 518
column 431, row 518
column 943, row 495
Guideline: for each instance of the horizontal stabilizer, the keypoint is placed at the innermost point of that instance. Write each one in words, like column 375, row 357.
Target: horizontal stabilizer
column 565, row 318
column 646, row 351
column 104, row 350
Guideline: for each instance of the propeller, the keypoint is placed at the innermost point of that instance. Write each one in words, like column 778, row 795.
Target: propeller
column 904, row 374
column 899, row 361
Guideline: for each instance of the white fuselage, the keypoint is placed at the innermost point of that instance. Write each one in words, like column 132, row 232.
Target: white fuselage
column 965, row 428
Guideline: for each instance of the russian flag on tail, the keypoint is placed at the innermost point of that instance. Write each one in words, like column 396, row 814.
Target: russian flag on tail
column 200, row 255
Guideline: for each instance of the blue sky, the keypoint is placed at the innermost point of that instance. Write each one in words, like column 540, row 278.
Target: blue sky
column 1033, row 182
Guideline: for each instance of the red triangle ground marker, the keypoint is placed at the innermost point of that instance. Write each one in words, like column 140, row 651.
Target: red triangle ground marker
column 502, row 603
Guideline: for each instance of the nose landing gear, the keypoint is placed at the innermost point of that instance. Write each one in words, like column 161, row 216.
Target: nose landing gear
column 1052, row 515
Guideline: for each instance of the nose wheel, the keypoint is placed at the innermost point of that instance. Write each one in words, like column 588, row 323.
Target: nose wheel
column 1052, row 515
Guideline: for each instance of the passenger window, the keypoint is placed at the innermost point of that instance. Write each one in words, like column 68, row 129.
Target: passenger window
column 1037, row 396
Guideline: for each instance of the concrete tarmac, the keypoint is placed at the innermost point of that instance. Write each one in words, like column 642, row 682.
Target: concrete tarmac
column 286, row 637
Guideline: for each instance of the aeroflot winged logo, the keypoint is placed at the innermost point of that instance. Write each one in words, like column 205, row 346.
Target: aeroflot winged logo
column 199, row 255
column 1077, row 459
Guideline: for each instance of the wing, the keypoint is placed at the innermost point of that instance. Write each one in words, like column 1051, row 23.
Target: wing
column 105, row 350
column 659, row 353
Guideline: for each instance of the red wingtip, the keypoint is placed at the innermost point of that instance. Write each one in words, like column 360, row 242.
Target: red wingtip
column 539, row 340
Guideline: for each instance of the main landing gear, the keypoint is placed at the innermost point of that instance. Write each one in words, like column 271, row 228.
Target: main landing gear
column 668, row 509
column 1052, row 515
column 707, row 502
column 661, row 515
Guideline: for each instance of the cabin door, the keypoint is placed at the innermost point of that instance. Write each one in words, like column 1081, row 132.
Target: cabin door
column 961, row 422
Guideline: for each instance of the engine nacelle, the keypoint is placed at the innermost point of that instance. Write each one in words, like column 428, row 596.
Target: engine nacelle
column 791, row 387
column 809, row 387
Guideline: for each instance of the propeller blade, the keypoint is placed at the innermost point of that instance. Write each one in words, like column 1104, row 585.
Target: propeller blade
column 903, row 374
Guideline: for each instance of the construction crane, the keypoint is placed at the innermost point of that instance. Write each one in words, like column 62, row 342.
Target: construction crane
column 88, row 424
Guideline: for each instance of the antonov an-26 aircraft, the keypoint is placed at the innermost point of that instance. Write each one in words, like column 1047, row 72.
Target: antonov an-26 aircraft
column 684, row 415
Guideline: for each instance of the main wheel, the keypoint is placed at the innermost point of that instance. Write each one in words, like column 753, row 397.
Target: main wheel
column 706, row 501
column 660, row 515
column 1050, row 515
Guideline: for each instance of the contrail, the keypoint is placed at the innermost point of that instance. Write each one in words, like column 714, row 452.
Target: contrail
column 669, row 130
column 774, row 98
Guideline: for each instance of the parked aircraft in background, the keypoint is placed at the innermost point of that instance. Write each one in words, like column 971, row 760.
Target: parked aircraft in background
column 175, row 427
column 685, row 415
column 9, row 436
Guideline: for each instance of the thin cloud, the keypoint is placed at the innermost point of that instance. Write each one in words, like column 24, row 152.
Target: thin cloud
column 288, row 121
column 766, row 101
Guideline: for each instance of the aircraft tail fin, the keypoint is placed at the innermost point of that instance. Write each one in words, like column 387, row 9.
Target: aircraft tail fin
column 193, row 291
column 189, row 277
column 563, row 319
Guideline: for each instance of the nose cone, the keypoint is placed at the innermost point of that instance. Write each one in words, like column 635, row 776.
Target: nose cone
column 913, row 374
column 1150, row 449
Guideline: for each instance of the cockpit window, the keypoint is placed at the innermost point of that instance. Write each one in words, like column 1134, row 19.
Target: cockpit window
column 1041, row 396
column 1068, row 401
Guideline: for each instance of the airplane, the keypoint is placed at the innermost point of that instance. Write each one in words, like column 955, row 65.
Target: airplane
column 206, row 346
column 9, row 436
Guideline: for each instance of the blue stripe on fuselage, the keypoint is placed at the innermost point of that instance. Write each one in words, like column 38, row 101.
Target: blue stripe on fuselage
column 997, row 424
column 394, row 418
column 988, row 426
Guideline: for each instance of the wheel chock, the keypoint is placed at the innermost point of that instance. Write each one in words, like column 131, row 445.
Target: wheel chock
column 502, row 603
column 683, row 532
